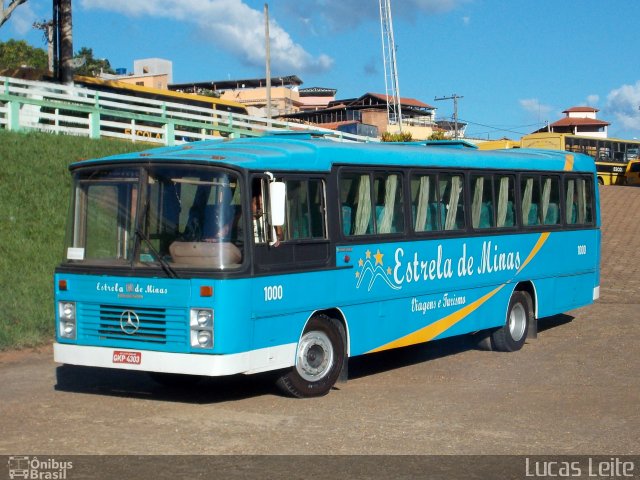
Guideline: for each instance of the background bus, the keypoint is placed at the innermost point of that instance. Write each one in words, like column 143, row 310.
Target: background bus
column 611, row 155
column 293, row 253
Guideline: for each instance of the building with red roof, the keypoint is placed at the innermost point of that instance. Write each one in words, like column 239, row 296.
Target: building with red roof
column 580, row 120
column 370, row 109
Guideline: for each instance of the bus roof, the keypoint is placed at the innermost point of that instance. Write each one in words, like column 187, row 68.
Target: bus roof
column 303, row 152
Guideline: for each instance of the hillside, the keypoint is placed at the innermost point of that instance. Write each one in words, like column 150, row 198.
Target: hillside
column 34, row 197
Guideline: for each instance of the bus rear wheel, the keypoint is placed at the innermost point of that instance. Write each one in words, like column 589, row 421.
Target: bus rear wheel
column 512, row 336
column 319, row 359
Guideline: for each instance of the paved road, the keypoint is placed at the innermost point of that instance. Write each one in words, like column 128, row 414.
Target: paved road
column 575, row 390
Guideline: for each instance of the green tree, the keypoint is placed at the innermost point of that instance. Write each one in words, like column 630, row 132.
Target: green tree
column 438, row 135
column 92, row 67
column 18, row 53
column 397, row 137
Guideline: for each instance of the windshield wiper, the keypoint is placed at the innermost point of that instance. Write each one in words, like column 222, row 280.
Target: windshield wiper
column 163, row 263
column 171, row 273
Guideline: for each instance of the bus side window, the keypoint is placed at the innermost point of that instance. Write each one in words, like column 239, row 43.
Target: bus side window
column 530, row 191
column 355, row 199
column 504, row 196
column 257, row 211
column 578, row 201
column 305, row 210
column 388, row 203
column 482, row 206
column 550, row 204
column 452, row 201
column 424, row 206
column 571, row 204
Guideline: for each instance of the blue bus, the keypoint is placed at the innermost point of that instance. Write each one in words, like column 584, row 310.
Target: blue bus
column 293, row 253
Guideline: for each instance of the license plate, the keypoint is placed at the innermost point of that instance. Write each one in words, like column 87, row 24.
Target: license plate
column 127, row 357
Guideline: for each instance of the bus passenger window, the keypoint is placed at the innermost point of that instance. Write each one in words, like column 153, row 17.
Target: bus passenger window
column 530, row 191
column 451, row 201
column 257, row 211
column 578, row 201
column 388, row 203
column 305, row 210
column 482, row 208
column 504, row 195
column 355, row 201
column 550, row 204
column 424, row 206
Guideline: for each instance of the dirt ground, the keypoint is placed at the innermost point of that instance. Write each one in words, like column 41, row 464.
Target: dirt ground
column 574, row 390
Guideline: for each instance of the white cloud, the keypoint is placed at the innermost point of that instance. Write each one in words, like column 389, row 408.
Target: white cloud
column 230, row 24
column 538, row 110
column 623, row 104
column 593, row 100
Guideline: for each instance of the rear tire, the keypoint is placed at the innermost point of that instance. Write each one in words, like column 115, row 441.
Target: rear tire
column 319, row 359
column 512, row 336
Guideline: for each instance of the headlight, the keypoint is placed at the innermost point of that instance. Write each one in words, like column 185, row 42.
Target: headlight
column 204, row 318
column 201, row 324
column 67, row 320
column 204, row 338
column 67, row 310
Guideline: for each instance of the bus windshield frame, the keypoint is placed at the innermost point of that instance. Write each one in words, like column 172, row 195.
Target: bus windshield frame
column 156, row 216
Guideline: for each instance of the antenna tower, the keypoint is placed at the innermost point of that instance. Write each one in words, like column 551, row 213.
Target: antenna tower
column 392, row 89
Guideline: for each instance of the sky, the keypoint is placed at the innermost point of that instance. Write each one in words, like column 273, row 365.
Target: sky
column 516, row 63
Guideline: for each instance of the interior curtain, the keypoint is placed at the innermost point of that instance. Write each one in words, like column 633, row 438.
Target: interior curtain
column 456, row 188
column 476, row 206
column 423, row 204
column 582, row 201
column 390, row 187
column 569, row 202
column 503, row 201
column 363, row 212
column 526, row 200
column 546, row 194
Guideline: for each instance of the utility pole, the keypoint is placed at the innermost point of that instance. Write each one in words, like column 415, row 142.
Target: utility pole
column 268, row 61
column 455, row 98
column 63, row 40
column 48, row 29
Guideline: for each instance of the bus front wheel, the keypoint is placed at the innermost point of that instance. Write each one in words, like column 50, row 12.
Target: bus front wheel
column 511, row 336
column 319, row 359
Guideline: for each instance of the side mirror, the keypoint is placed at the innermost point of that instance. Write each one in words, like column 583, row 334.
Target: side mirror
column 277, row 196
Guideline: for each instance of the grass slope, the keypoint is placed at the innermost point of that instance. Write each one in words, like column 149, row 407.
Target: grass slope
column 34, row 199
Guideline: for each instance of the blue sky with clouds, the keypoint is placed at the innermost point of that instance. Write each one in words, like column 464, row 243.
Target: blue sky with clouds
column 517, row 63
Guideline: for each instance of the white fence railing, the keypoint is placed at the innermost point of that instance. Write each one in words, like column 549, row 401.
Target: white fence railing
column 76, row 110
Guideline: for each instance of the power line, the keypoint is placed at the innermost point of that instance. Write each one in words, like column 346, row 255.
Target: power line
column 509, row 129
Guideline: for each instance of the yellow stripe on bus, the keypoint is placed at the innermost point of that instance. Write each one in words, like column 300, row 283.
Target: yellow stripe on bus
column 568, row 163
column 432, row 331
column 438, row 327
column 543, row 238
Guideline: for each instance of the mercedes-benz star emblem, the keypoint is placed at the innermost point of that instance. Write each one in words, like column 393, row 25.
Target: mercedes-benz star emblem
column 129, row 322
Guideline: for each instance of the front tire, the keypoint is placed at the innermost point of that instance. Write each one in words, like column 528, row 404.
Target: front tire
column 319, row 359
column 512, row 336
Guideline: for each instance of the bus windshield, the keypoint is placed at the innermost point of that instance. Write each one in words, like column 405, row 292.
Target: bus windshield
column 156, row 216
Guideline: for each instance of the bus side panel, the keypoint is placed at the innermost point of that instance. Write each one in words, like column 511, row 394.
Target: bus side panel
column 404, row 293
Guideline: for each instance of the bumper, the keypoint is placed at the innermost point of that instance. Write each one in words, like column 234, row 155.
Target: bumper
column 254, row 361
